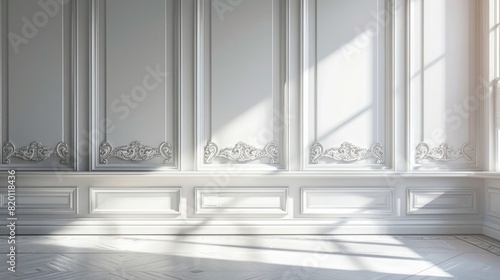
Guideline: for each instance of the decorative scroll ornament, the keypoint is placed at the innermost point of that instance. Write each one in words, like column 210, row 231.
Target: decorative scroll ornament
column 347, row 152
column 136, row 151
column 443, row 152
column 241, row 152
column 36, row 152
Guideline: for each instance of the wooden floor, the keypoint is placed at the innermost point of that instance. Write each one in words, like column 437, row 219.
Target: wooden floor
column 253, row 257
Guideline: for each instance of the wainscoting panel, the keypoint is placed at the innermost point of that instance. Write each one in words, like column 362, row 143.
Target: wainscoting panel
column 241, row 74
column 241, row 202
column 249, row 116
column 445, row 84
column 346, row 84
column 350, row 202
column 147, row 203
column 135, row 201
column 135, row 94
column 493, row 202
column 37, row 94
column 43, row 200
column 438, row 201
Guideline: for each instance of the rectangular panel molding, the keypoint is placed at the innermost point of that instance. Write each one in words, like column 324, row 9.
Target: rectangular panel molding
column 493, row 202
column 44, row 200
column 241, row 202
column 241, row 72
column 348, row 202
column 38, row 94
column 135, row 97
column 135, row 200
column 347, row 65
column 438, row 201
column 444, row 84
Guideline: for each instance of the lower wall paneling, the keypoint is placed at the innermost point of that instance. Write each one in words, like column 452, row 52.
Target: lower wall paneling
column 491, row 228
column 436, row 201
column 241, row 202
column 43, row 200
column 492, row 206
column 134, row 201
column 493, row 202
column 150, row 203
column 351, row 202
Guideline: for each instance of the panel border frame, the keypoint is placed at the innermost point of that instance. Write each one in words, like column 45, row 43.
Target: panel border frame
column 73, row 123
column 307, row 212
column 199, row 210
column 411, row 150
column 95, row 190
column 201, row 140
column 487, row 203
column 94, row 127
column 413, row 211
column 390, row 100
column 72, row 194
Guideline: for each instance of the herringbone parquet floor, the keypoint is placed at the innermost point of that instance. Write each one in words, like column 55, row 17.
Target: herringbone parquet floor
column 253, row 257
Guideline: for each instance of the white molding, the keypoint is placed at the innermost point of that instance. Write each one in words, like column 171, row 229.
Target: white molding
column 241, row 202
column 496, row 121
column 442, row 201
column 202, row 112
column 4, row 45
column 444, row 153
column 305, row 94
column 43, row 200
column 490, row 194
column 408, row 108
column 413, row 113
column 75, row 82
column 346, row 152
column 256, row 174
column 57, row 208
column 71, row 126
column 134, row 200
column 94, row 118
column 363, row 201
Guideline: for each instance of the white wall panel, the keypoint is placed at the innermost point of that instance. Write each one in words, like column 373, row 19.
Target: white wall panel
column 136, row 91
column 438, row 201
column 43, row 200
column 348, row 202
column 346, row 94
column 241, row 202
column 493, row 202
column 141, row 203
column 241, row 68
column 38, row 86
column 496, row 133
column 444, row 74
column 135, row 201
column 296, row 117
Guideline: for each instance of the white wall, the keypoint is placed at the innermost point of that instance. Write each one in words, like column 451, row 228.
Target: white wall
column 301, row 116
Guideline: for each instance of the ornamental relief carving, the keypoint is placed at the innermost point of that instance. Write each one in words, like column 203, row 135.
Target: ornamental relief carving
column 347, row 152
column 36, row 152
column 444, row 152
column 135, row 151
column 241, row 152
